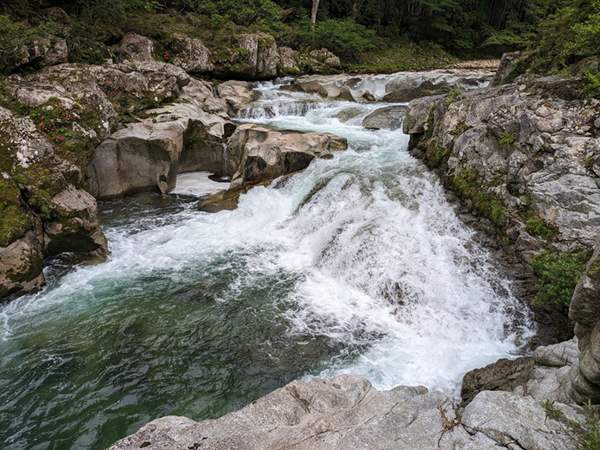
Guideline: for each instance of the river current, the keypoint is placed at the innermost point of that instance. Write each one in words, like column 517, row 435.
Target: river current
column 358, row 265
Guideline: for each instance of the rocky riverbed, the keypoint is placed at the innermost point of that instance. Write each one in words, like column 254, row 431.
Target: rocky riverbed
column 409, row 288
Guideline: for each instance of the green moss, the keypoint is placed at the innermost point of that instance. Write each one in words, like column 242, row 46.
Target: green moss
column 455, row 93
column 14, row 220
column 30, row 271
column 461, row 128
column 589, row 162
column 507, row 139
column 467, row 186
column 558, row 274
column 430, row 120
column 538, row 227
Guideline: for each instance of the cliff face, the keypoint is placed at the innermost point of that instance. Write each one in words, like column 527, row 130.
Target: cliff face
column 526, row 158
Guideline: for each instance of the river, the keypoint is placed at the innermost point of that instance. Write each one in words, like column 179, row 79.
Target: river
column 358, row 265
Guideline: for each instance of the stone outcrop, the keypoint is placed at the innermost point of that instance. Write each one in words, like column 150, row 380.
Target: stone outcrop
column 390, row 117
column 190, row 54
column 257, row 155
column 585, row 312
column 288, row 63
column 506, row 66
column 398, row 87
column 44, row 210
column 348, row 413
column 258, row 59
column 543, row 375
column 46, row 165
column 149, row 155
column 134, row 48
column 522, row 155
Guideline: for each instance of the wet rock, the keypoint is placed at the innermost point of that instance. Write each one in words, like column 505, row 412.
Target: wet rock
column 44, row 212
column 258, row 153
column 190, row 54
column 21, row 265
column 507, row 64
column 503, row 375
column 134, row 48
column 406, row 86
column 522, row 149
column 398, row 87
column 390, row 117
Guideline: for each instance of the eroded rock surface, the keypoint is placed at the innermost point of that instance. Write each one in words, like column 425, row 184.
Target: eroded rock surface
column 585, row 312
column 256, row 155
column 520, row 155
column 398, row 87
column 44, row 210
column 348, row 413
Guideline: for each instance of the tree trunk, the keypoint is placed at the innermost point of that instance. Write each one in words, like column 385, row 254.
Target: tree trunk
column 313, row 15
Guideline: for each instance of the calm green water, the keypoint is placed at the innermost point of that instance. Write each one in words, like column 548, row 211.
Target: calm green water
column 358, row 265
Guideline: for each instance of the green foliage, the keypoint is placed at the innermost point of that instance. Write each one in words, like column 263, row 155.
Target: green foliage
column 467, row 186
column 585, row 435
column 538, row 227
column 455, row 93
column 558, row 275
column 340, row 36
column 507, row 139
column 552, row 411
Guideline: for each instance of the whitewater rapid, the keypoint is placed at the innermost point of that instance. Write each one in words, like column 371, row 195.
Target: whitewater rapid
column 358, row 265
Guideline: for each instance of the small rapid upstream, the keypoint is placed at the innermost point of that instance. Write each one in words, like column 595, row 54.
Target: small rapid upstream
column 357, row 265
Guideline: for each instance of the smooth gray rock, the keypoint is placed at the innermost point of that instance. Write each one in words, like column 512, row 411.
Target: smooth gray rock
column 149, row 155
column 390, row 118
column 342, row 413
column 519, row 421
column 257, row 153
column 288, row 64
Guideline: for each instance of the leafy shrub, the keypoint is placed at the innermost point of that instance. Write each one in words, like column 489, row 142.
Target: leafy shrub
column 343, row 37
column 585, row 435
column 537, row 226
column 558, row 275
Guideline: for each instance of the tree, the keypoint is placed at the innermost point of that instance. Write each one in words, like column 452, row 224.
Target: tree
column 313, row 14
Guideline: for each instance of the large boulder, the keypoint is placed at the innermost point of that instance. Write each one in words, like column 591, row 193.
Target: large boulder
column 257, row 58
column 390, row 117
column 190, row 54
column 585, row 312
column 134, row 48
column 348, row 413
column 257, row 153
column 288, row 64
column 506, row 66
column 543, row 375
column 44, row 212
column 148, row 155
column 41, row 52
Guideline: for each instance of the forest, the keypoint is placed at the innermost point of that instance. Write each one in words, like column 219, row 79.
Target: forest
column 563, row 31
